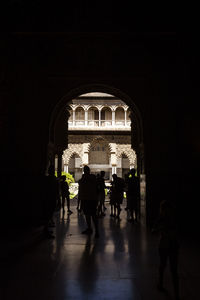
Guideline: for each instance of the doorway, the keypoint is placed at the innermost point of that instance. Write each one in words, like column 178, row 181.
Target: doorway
column 128, row 115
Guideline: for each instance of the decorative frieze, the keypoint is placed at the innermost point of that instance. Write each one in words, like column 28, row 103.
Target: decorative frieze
column 115, row 148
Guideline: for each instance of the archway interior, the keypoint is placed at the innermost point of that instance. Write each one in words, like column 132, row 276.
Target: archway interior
column 125, row 165
column 99, row 157
column 99, row 132
column 106, row 115
column 74, row 166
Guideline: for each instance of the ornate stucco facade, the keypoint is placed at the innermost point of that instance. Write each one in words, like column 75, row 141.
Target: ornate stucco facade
column 99, row 136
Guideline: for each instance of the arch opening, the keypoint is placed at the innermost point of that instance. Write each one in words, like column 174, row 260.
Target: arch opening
column 100, row 118
column 74, row 166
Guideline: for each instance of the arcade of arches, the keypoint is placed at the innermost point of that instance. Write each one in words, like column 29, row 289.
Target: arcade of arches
column 99, row 135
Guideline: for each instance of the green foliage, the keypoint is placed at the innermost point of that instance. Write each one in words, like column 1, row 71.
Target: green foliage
column 72, row 195
column 131, row 175
column 69, row 177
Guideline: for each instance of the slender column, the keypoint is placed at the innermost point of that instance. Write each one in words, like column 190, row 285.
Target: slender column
column 56, row 163
column 86, row 117
column 113, row 118
column 113, row 160
column 125, row 117
column 73, row 118
column 66, row 168
column 114, row 170
column 99, row 118
column 85, row 158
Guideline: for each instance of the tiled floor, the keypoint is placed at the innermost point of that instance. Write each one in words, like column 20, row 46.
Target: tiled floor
column 121, row 264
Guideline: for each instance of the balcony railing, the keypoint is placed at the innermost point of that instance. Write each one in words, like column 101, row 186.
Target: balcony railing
column 96, row 124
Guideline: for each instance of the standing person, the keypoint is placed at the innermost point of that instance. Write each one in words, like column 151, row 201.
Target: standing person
column 126, row 189
column 133, row 195
column 64, row 187
column 168, row 244
column 89, row 200
column 50, row 200
column 79, row 207
column 101, row 193
column 112, row 200
column 117, row 194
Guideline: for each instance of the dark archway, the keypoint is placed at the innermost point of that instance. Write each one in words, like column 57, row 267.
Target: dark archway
column 58, row 128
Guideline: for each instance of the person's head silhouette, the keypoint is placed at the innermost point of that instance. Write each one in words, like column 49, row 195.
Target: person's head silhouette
column 63, row 177
column 102, row 173
column 114, row 176
column 132, row 172
column 86, row 170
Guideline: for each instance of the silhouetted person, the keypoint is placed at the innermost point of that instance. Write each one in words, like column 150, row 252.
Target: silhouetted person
column 116, row 195
column 64, row 187
column 112, row 201
column 50, row 201
column 101, row 193
column 168, row 244
column 79, row 207
column 133, row 195
column 89, row 200
column 126, row 189
column 78, row 201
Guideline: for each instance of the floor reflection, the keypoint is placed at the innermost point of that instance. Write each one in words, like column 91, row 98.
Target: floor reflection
column 88, row 267
column 121, row 264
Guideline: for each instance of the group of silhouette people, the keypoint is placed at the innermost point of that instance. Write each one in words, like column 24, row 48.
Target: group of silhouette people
column 91, row 201
column 116, row 194
column 91, row 197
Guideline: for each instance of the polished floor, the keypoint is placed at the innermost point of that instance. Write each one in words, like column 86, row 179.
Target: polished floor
column 121, row 264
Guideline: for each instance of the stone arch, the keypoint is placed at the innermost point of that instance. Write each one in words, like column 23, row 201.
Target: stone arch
column 119, row 113
column 60, row 114
column 58, row 125
column 93, row 105
column 58, row 128
column 106, row 113
column 123, row 153
column 74, row 153
column 81, row 109
column 74, row 93
column 78, row 105
column 93, row 110
column 119, row 107
column 74, row 165
column 105, row 106
column 72, row 149
column 129, row 153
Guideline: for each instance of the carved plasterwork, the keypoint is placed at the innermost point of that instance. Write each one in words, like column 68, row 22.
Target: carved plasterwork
column 117, row 147
column 128, row 151
column 72, row 149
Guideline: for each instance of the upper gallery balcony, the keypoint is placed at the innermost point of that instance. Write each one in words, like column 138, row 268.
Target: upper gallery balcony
column 99, row 125
column 109, row 114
